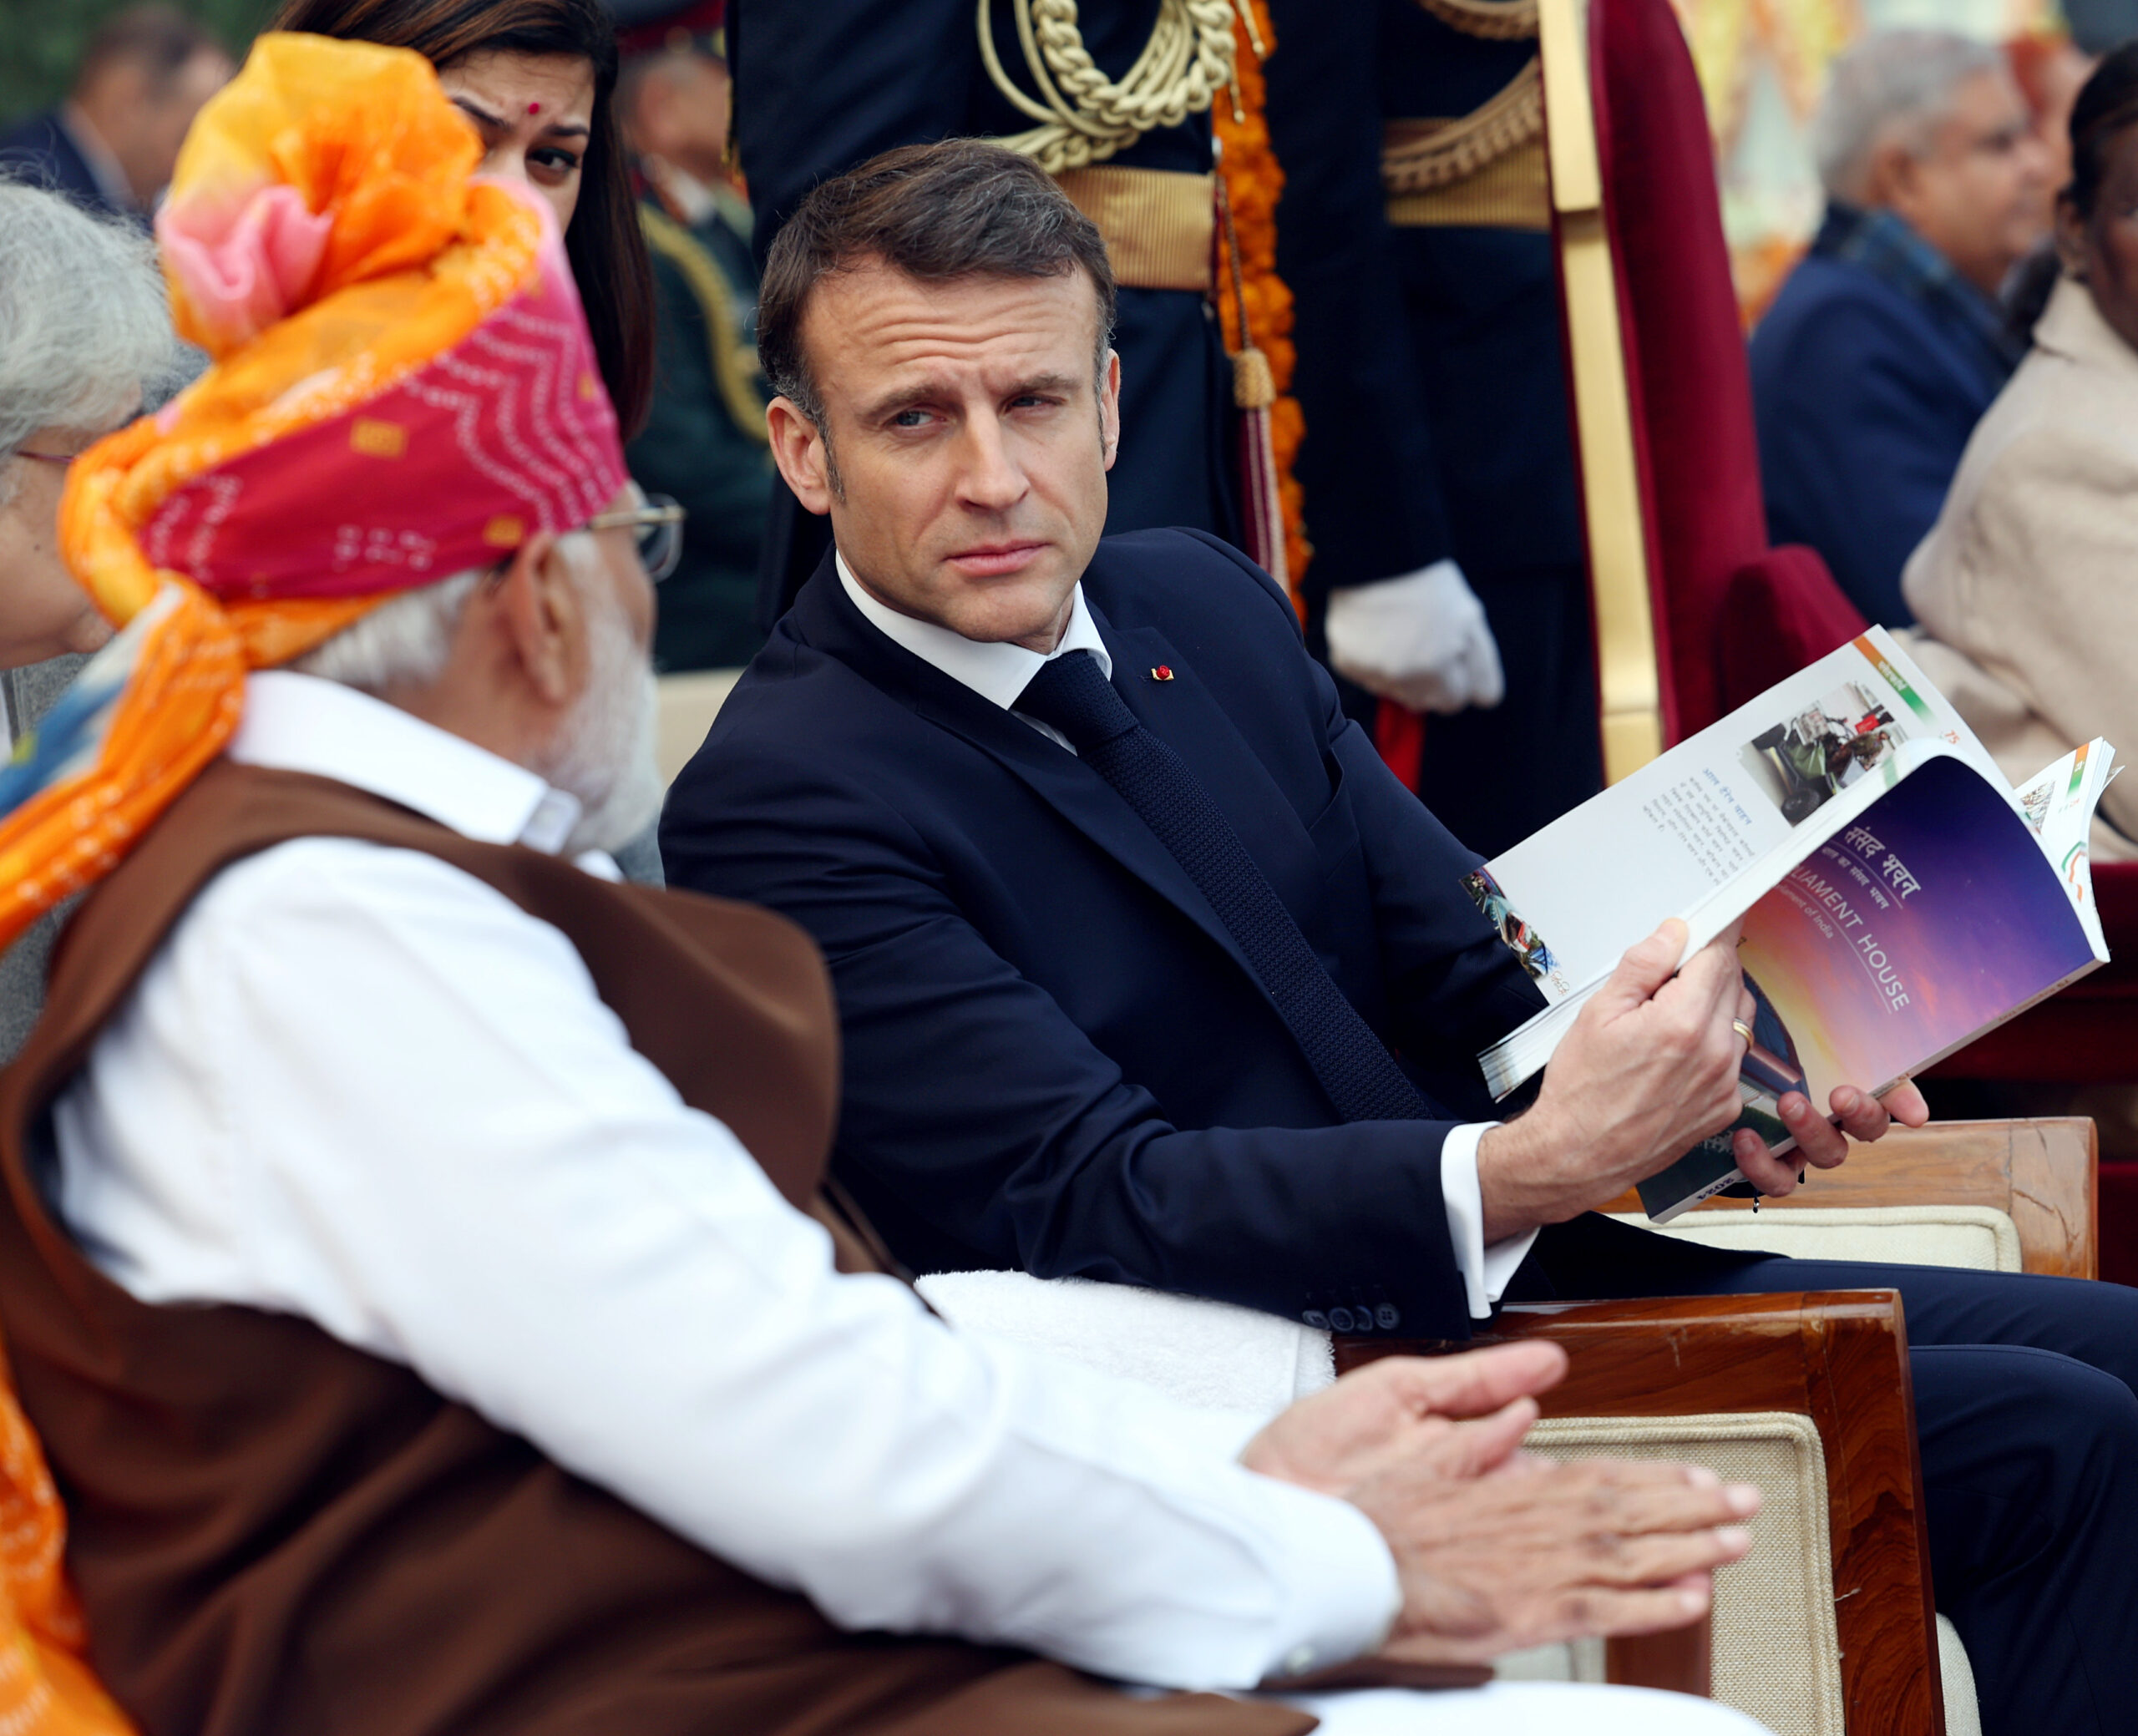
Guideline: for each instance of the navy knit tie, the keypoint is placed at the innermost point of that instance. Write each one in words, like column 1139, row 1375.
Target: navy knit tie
column 1355, row 1070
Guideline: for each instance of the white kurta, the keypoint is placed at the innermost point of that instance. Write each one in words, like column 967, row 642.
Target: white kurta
column 360, row 1086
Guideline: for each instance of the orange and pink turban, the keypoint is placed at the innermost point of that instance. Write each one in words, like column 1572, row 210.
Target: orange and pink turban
column 402, row 388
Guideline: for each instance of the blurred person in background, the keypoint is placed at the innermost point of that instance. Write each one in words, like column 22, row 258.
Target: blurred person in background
column 1437, row 464
column 1887, row 342
column 85, row 345
column 111, row 145
column 2024, row 591
column 2049, row 66
column 704, row 441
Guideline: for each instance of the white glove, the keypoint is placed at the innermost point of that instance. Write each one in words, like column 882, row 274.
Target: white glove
column 1420, row 639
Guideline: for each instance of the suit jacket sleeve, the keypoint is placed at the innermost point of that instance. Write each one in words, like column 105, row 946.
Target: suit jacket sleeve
column 972, row 1101
column 1852, row 464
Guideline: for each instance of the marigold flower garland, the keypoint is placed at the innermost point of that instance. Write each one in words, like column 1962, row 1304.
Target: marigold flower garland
column 1253, row 180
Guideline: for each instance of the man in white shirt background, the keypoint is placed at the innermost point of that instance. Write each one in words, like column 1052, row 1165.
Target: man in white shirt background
column 418, row 1347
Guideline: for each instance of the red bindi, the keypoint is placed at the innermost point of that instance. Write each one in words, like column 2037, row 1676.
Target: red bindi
column 534, row 108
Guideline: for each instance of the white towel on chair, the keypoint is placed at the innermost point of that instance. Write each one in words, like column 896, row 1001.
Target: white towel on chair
column 1208, row 1354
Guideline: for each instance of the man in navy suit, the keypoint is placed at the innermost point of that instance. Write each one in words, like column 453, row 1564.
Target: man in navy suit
column 1149, row 970
column 1887, row 343
column 112, row 144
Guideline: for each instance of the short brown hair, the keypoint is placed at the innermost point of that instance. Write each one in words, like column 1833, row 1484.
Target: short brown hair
column 962, row 208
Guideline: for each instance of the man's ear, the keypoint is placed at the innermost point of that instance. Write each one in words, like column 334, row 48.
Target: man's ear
column 1894, row 180
column 798, row 449
column 544, row 621
column 1110, row 408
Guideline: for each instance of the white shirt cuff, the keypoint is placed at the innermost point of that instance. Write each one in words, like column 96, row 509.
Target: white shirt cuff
column 1341, row 1593
column 1487, row 1272
column 1342, row 1596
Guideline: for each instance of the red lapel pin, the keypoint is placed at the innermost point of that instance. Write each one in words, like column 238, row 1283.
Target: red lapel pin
column 1163, row 673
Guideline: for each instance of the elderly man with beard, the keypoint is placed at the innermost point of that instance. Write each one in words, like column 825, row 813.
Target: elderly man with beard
column 412, row 1254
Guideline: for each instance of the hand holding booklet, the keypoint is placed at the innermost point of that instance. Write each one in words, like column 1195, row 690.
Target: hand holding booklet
column 1899, row 898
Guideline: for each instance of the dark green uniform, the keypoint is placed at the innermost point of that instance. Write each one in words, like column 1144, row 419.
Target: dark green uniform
column 704, row 441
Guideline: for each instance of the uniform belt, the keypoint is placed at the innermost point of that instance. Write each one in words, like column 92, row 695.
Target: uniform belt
column 1511, row 191
column 1160, row 226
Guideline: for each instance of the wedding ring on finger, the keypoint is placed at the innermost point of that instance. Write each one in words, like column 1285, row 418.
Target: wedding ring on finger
column 1743, row 1030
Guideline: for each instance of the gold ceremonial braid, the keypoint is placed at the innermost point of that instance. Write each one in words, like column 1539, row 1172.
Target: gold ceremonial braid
column 1459, row 147
column 1497, row 21
column 1084, row 116
column 733, row 362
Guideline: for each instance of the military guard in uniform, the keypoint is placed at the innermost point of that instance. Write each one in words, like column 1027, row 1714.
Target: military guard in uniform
column 704, row 439
column 823, row 85
column 1415, row 234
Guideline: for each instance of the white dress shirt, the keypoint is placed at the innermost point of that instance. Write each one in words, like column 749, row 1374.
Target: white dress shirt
column 998, row 673
column 360, row 1086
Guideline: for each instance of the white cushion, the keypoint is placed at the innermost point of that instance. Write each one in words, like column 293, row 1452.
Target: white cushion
column 1963, row 1715
column 1979, row 1239
column 1777, row 1656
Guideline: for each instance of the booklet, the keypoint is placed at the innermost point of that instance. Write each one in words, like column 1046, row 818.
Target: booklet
column 1899, row 897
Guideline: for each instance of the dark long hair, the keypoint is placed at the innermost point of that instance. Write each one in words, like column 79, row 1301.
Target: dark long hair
column 2107, row 104
column 605, row 244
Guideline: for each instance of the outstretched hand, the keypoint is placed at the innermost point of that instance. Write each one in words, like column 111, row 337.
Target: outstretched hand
column 1496, row 1549
column 1647, row 1070
column 1820, row 1143
column 1464, row 1416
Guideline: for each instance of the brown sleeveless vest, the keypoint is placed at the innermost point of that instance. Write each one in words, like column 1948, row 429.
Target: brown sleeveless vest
column 275, row 1535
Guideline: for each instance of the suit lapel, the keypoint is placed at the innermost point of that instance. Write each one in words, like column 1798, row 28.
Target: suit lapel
column 826, row 618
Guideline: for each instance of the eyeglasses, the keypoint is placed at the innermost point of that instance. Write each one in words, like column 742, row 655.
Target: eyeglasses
column 658, row 528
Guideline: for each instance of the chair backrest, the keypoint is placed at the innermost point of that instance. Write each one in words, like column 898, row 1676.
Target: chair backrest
column 1780, row 612
column 1719, row 616
column 1689, row 382
column 1688, row 388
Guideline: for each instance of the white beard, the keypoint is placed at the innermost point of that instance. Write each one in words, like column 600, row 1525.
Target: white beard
column 605, row 753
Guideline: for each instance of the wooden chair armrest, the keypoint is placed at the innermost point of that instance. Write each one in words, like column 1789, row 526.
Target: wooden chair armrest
column 1839, row 1357
column 2041, row 1174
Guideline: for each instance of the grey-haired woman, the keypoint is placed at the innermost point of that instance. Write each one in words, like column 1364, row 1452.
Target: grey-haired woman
column 85, row 345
